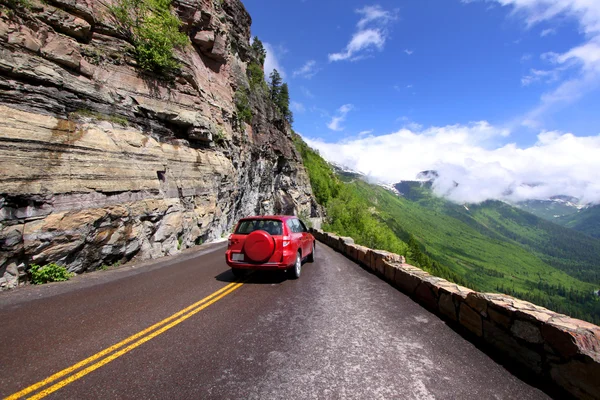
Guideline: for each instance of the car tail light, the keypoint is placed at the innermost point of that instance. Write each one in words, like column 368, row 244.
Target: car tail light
column 230, row 241
column 286, row 241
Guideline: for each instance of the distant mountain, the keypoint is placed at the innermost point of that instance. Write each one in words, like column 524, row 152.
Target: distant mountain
column 346, row 173
column 586, row 220
column 563, row 210
column 552, row 208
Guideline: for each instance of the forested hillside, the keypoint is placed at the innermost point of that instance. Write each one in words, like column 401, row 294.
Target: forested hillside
column 586, row 221
column 489, row 247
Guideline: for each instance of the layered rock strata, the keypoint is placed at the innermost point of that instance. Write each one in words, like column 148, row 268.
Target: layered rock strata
column 101, row 162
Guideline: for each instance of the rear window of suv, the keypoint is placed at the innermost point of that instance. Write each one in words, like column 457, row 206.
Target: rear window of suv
column 273, row 227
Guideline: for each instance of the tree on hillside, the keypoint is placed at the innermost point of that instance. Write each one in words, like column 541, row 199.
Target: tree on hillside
column 275, row 83
column 259, row 50
column 283, row 102
column 280, row 95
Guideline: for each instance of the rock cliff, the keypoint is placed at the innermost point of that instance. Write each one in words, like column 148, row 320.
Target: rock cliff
column 101, row 162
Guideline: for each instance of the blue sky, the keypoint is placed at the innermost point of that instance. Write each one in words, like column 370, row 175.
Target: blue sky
column 484, row 78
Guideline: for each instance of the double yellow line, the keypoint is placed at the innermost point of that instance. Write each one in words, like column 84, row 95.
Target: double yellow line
column 138, row 339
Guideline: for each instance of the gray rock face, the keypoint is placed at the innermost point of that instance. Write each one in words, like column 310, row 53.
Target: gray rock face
column 102, row 162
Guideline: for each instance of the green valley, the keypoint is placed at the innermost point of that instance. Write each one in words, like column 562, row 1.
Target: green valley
column 586, row 221
column 491, row 247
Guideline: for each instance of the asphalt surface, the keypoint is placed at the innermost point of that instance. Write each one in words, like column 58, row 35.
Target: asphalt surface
column 337, row 332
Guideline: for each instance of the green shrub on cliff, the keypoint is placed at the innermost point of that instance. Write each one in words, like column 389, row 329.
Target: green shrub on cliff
column 256, row 77
column 242, row 105
column 49, row 273
column 153, row 29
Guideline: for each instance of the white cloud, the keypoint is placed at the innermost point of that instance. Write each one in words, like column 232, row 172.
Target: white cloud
column 583, row 61
column 307, row 92
column 409, row 52
column 365, row 133
column 371, row 34
column 526, row 57
column 374, row 14
column 546, row 32
column 297, row 107
column 342, row 112
column 537, row 75
column 558, row 163
column 272, row 61
column 308, row 70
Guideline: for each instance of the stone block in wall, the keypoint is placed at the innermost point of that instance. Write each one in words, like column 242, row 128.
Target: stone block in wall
column 362, row 254
column 377, row 258
column 580, row 377
column 330, row 240
column 425, row 294
column 389, row 270
column 499, row 317
column 470, row 319
column 446, row 306
column 509, row 347
column 570, row 337
column 527, row 331
column 406, row 281
column 478, row 302
column 342, row 244
column 352, row 252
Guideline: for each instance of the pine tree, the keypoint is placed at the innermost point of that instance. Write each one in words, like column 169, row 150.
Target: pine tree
column 259, row 50
column 275, row 85
column 283, row 102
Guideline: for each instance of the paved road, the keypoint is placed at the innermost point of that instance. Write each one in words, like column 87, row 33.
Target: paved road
column 337, row 332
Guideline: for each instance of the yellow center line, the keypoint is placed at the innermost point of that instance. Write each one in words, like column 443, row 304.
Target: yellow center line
column 205, row 302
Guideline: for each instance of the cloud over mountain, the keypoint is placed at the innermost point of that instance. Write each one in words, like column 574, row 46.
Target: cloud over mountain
column 473, row 157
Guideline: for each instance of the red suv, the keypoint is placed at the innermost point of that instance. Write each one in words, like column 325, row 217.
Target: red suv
column 272, row 242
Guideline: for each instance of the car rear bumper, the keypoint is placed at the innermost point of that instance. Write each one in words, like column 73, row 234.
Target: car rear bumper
column 287, row 261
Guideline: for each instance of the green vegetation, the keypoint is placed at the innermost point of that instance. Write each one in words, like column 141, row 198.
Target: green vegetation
column 491, row 247
column 153, row 29
column 586, row 221
column 219, row 137
column 84, row 113
column 48, row 273
column 348, row 214
column 259, row 50
column 256, row 77
column 23, row 4
column 106, row 267
column 242, row 104
column 547, row 209
column 280, row 95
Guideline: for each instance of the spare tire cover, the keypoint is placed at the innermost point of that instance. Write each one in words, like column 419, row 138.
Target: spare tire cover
column 259, row 246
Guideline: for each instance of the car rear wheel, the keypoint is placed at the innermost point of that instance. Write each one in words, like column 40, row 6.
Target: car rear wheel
column 311, row 257
column 297, row 268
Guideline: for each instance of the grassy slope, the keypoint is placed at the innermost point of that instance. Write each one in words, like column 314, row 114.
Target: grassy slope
column 586, row 221
column 491, row 247
column 495, row 247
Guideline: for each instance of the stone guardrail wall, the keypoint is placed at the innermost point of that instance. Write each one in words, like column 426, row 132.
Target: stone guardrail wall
column 555, row 347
